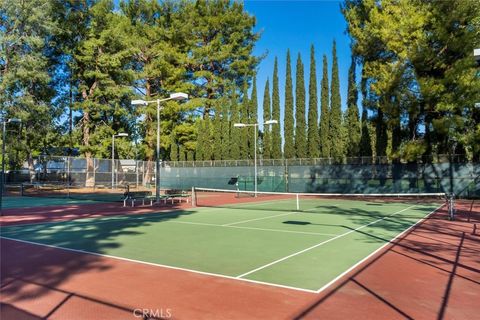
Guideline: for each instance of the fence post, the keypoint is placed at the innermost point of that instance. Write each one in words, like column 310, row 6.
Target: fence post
column 94, row 172
column 136, row 170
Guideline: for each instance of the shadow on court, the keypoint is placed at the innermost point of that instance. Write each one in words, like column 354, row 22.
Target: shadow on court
column 433, row 264
column 34, row 278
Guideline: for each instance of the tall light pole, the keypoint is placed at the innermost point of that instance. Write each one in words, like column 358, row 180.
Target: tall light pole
column 4, row 130
column 113, row 155
column 173, row 96
column 255, row 126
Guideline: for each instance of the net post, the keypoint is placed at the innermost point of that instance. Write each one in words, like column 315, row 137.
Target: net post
column 298, row 202
column 451, row 206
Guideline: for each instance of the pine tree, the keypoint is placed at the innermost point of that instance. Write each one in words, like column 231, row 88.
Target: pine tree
column 276, row 137
column 267, row 111
column 337, row 146
column 253, row 118
column 352, row 121
column 300, row 131
column 325, row 114
column 26, row 28
column 313, row 139
column 289, row 146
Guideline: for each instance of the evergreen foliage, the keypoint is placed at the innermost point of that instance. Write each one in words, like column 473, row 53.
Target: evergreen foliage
column 267, row 111
column 253, row 118
column 217, row 134
column 352, row 121
column 313, row 139
column 235, row 135
column 335, row 119
column 289, row 147
column 421, row 80
column 325, row 142
column 276, row 137
column 300, row 130
column 244, row 118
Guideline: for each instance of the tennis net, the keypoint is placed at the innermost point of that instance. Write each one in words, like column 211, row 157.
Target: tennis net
column 283, row 201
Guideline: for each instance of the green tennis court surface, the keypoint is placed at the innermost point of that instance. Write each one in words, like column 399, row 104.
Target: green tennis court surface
column 28, row 202
column 304, row 250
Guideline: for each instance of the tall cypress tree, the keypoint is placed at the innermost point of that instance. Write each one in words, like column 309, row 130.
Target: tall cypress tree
column 244, row 115
column 313, row 138
column 173, row 147
column 225, row 131
column 266, row 142
column 365, row 148
column 199, row 149
column 207, row 143
column 217, row 134
column 337, row 147
column 289, row 147
column 381, row 134
column 189, row 155
column 276, row 137
column 181, row 152
column 300, row 138
column 235, row 137
column 352, row 122
column 325, row 113
column 253, row 118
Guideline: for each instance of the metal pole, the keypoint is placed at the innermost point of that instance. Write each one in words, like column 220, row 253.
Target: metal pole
column 113, row 161
column 255, row 153
column 157, row 173
column 3, row 165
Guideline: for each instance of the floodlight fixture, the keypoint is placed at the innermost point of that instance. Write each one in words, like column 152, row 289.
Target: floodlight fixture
column 139, row 102
column 271, row 122
column 178, row 96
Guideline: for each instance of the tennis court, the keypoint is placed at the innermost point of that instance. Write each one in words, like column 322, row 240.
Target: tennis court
column 263, row 239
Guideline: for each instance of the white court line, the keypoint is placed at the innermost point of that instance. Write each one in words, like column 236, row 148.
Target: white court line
column 253, row 228
column 128, row 214
column 113, row 220
column 379, row 249
column 319, row 244
column 161, row 265
column 244, row 221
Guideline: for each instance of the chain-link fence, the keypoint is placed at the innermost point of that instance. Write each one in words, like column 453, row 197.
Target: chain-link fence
column 360, row 175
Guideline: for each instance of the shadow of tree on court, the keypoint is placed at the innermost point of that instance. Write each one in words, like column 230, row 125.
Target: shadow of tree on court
column 33, row 274
column 438, row 245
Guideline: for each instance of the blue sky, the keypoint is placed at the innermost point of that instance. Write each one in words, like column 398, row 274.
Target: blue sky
column 296, row 25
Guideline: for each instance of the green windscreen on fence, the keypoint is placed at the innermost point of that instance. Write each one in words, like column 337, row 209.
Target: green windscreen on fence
column 273, row 175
